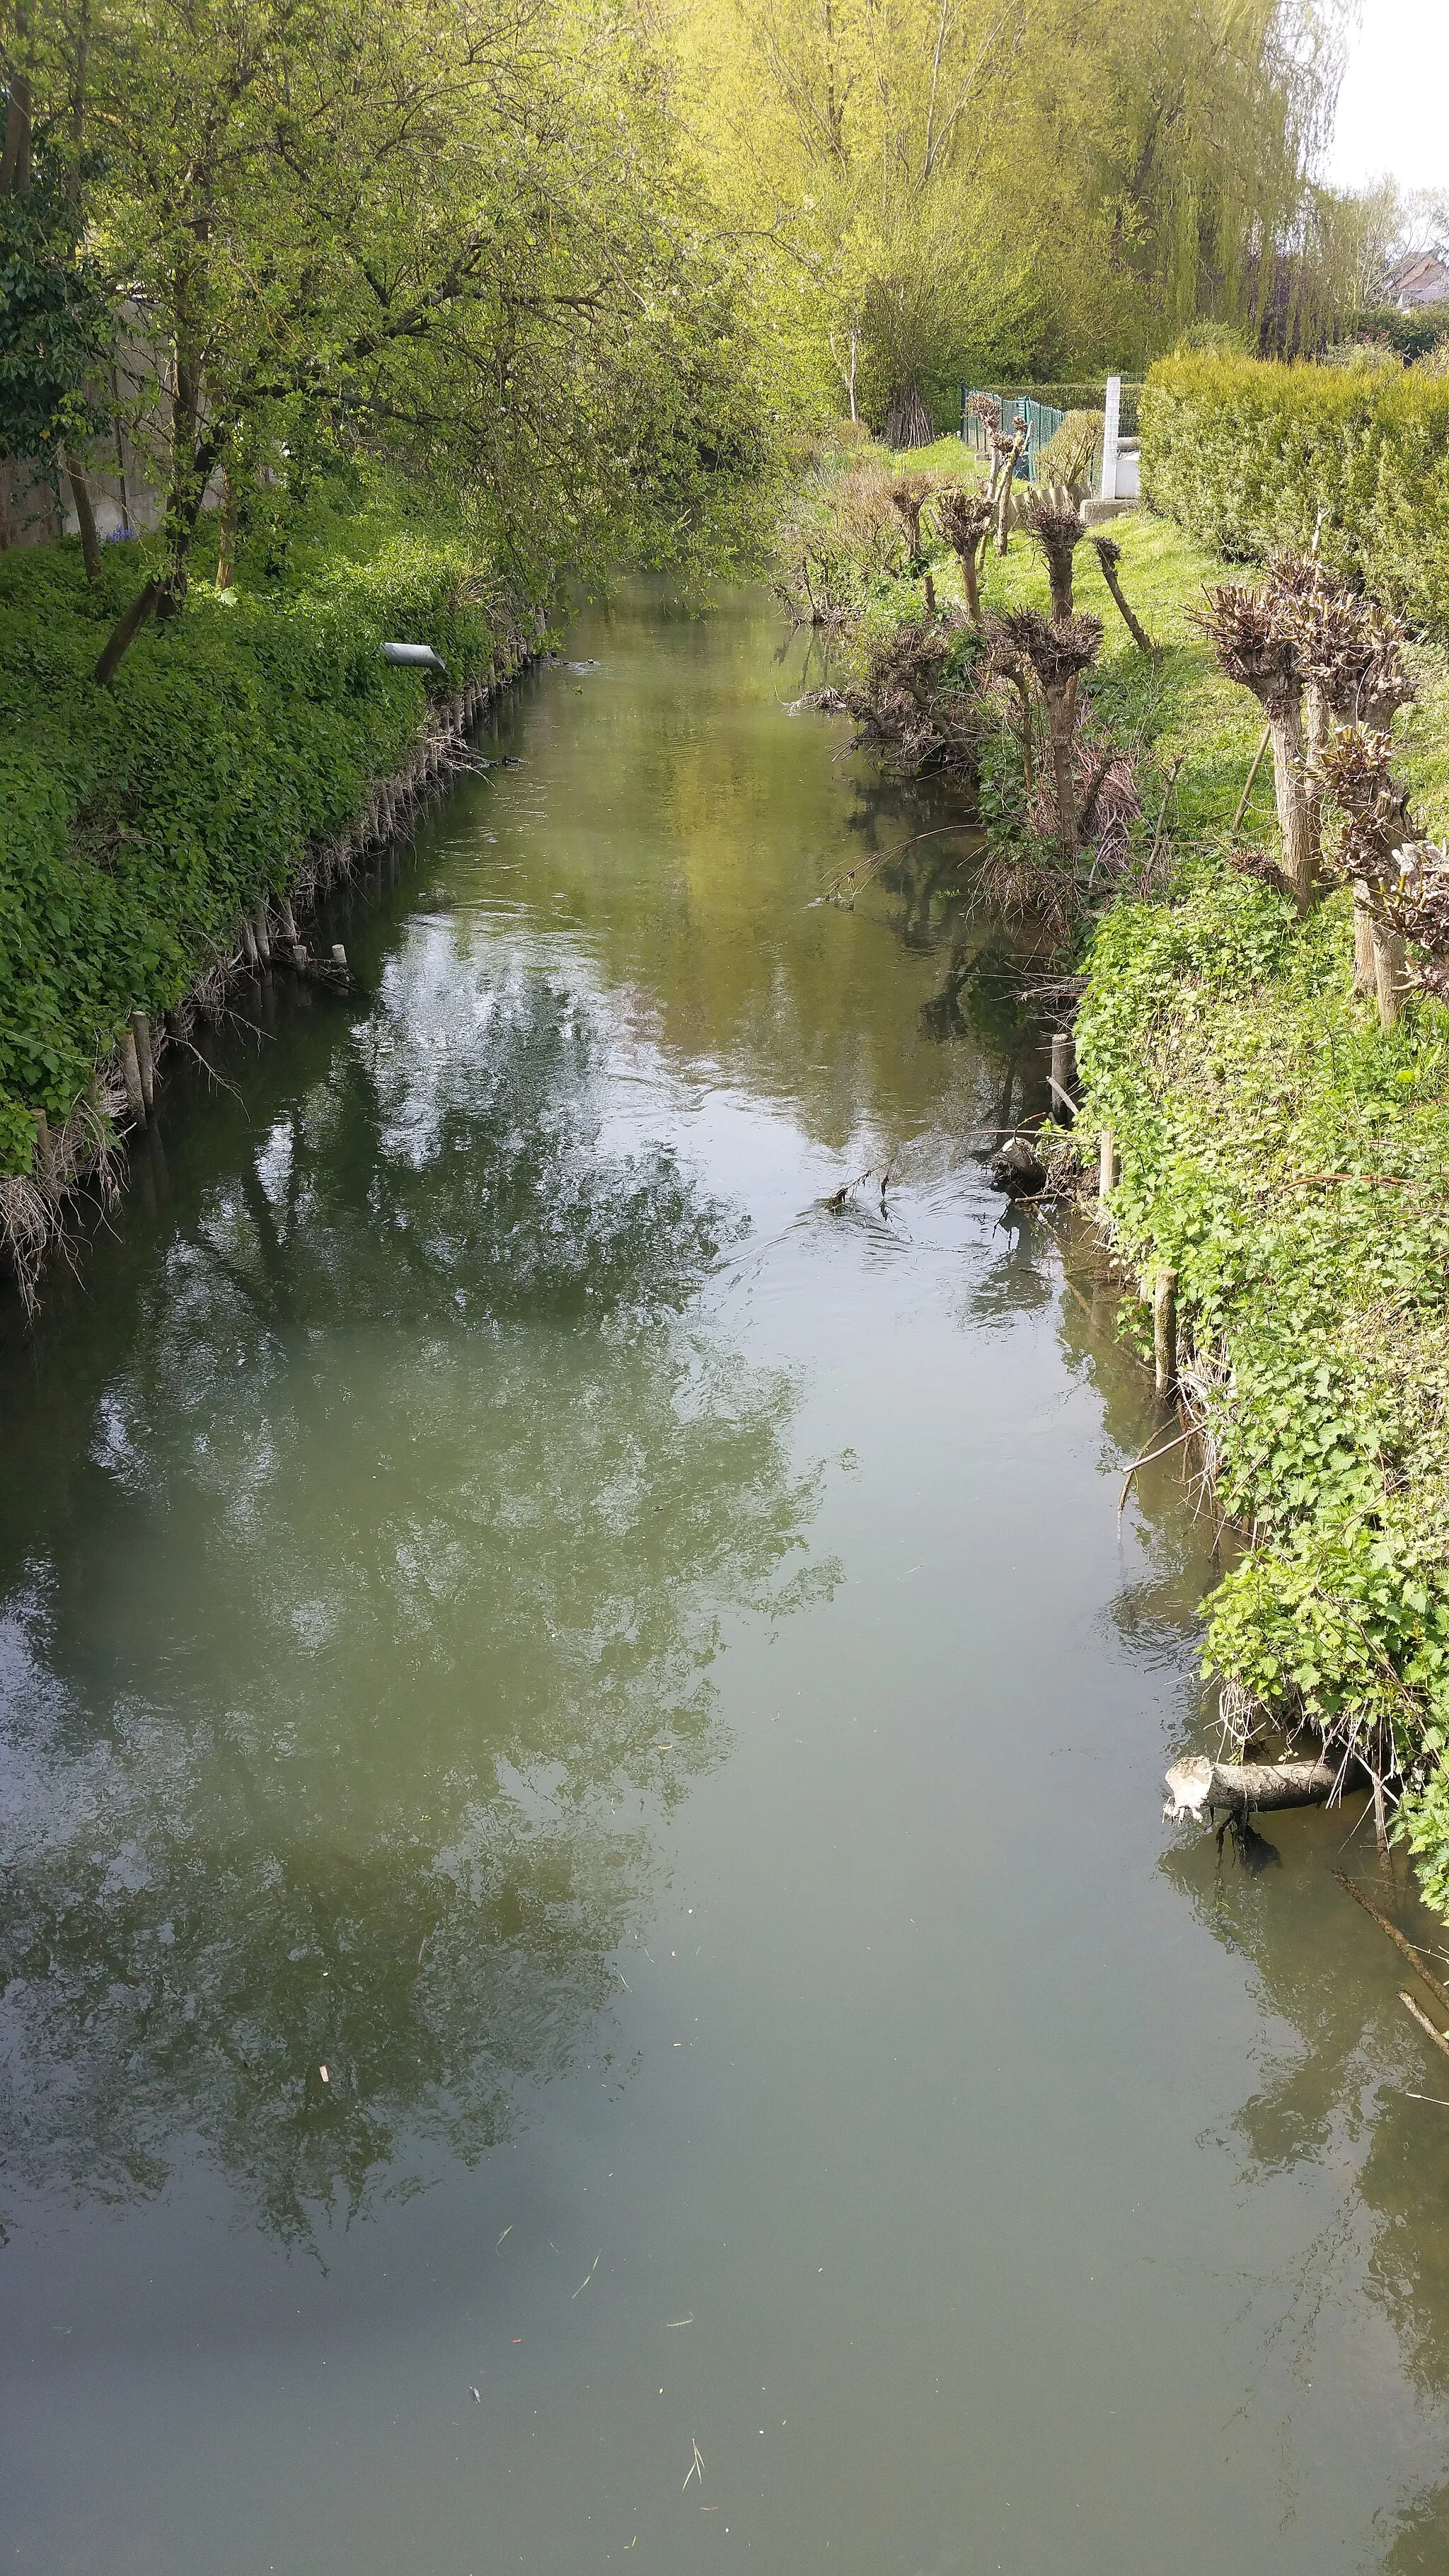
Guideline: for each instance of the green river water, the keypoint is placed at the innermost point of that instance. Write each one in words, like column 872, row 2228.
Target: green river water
column 509, row 1599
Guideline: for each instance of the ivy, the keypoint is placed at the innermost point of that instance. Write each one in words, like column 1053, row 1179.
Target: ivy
column 1286, row 1155
column 137, row 822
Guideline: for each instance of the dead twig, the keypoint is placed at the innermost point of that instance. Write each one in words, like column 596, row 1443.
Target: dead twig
column 1395, row 1935
column 1148, row 1458
column 1252, row 777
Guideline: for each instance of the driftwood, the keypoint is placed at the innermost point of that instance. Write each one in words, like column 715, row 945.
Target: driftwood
column 1197, row 1786
column 1353, row 1889
column 1440, row 2038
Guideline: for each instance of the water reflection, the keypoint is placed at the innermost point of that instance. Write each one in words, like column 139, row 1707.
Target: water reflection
column 349, row 1660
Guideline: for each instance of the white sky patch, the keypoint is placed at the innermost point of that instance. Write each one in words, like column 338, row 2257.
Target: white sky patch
column 1393, row 109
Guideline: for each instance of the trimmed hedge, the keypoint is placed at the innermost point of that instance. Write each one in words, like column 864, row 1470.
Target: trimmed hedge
column 1244, row 454
column 136, row 822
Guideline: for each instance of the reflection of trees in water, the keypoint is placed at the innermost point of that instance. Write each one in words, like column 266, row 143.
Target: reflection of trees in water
column 400, row 1556
column 1329, row 2086
column 1337, row 2094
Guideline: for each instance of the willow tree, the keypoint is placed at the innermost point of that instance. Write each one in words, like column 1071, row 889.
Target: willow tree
column 1027, row 186
column 851, row 139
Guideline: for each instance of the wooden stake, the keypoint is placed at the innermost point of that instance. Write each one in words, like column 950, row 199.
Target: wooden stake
column 289, row 923
column 1107, row 1165
column 144, row 1057
column 1062, row 1105
column 131, row 1070
column 1164, row 1330
column 264, row 936
column 1252, row 777
column 248, row 941
column 44, row 1149
column 339, row 955
column 1390, row 961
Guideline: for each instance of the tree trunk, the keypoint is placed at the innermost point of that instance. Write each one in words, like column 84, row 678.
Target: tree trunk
column 968, row 584
column 1164, row 1331
column 1390, row 960
column 907, row 422
column 1365, row 973
column 1065, row 786
column 85, row 515
column 226, row 532
column 125, row 632
column 15, row 155
column 1135, row 629
column 1243, row 1788
column 1003, row 500
column 192, row 466
column 1295, row 821
column 1315, row 711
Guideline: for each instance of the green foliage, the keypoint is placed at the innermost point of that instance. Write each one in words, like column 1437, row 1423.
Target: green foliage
column 136, row 822
column 1410, row 335
column 1071, row 456
column 1221, row 1041
column 1245, row 456
column 1281, row 1151
column 54, row 322
column 1285, row 1154
column 1022, row 191
column 465, row 239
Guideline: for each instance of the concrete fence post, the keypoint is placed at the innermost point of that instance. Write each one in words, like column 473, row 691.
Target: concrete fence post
column 1110, row 429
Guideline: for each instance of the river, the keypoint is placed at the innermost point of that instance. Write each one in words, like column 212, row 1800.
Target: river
column 592, row 1976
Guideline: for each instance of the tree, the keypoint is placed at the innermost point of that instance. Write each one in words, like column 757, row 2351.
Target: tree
column 464, row 236
column 1020, row 188
column 54, row 320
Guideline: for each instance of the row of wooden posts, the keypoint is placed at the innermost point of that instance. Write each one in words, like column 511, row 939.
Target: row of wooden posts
column 1164, row 1285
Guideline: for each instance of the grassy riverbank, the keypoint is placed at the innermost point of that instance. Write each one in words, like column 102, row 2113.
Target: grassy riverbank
column 1287, row 1157
column 138, row 821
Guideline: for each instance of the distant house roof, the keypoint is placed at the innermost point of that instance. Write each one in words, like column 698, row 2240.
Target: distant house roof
column 1424, row 280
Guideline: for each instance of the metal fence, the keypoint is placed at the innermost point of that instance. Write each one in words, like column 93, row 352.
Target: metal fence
column 1043, row 417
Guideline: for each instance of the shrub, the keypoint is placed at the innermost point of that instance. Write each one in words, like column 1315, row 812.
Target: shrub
column 1070, row 458
column 1245, row 455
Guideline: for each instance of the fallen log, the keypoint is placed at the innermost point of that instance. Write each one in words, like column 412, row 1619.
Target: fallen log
column 1197, row 1785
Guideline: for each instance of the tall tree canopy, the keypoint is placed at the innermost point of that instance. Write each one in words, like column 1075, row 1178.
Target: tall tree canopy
column 964, row 185
column 464, row 235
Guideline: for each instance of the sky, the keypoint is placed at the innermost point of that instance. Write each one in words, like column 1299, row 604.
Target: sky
column 1393, row 110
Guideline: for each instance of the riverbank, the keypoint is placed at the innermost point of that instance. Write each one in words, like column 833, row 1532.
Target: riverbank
column 150, row 828
column 602, row 1736
column 1285, row 1155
